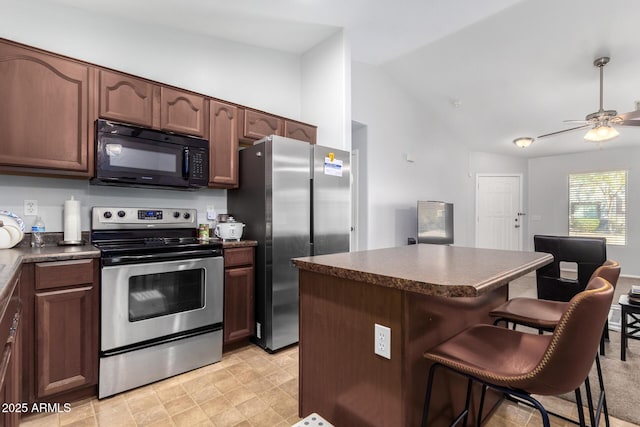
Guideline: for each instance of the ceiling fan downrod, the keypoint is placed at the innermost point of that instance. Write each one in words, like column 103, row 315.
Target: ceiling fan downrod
column 601, row 115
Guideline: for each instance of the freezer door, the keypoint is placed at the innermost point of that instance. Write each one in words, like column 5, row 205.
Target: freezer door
column 331, row 215
column 290, row 199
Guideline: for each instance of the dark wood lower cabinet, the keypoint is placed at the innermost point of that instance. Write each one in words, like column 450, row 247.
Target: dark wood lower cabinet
column 61, row 308
column 10, row 366
column 67, row 350
column 239, row 290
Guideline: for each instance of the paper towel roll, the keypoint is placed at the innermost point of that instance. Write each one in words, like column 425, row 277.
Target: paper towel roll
column 72, row 231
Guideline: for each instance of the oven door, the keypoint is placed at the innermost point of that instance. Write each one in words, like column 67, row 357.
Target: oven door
column 159, row 300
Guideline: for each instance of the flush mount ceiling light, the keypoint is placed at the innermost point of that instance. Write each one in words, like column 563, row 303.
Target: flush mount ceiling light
column 602, row 121
column 523, row 141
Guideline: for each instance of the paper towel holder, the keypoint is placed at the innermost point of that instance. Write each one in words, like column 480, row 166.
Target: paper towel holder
column 72, row 206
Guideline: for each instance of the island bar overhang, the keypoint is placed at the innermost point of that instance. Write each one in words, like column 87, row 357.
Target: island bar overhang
column 425, row 294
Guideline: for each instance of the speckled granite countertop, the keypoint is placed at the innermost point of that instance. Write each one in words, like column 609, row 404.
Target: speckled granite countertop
column 451, row 271
column 12, row 259
column 240, row 244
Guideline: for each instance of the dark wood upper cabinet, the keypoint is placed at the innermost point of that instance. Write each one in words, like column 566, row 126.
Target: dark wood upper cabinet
column 46, row 112
column 300, row 131
column 129, row 99
column 126, row 99
column 257, row 125
column 182, row 112
column 223, row 145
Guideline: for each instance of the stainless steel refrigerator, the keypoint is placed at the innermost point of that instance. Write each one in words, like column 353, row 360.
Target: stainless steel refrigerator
column 294, row 199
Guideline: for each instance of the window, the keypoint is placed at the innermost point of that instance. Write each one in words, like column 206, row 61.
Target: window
column 598, row 205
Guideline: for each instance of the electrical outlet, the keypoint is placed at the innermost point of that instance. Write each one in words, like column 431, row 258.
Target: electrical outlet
column 211, row 213
column 382, row 341
column 31, row 207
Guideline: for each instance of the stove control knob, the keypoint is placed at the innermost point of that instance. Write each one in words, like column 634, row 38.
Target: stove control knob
column 176, row 214
column 186, row 215
column 121, row 214
column 107, row 214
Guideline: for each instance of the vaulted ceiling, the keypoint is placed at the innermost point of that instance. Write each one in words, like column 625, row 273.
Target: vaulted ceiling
column 489, row 71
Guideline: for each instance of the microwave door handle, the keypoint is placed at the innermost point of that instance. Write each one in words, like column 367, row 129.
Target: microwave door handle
column 185, row 163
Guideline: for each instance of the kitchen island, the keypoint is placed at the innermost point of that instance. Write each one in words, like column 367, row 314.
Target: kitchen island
column 425, row 294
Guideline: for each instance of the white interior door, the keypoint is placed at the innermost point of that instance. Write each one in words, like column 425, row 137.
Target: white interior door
column 499, row 212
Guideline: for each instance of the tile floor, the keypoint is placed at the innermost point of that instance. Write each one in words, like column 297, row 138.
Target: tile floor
column 248, row 388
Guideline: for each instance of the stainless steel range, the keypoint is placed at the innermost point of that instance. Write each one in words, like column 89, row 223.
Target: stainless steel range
column 161, row 296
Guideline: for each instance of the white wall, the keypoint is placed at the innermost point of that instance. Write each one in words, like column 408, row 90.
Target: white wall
column 549, row 196
column 51, row 194
column 326, row 91
column 266, row 79
column 397, row 126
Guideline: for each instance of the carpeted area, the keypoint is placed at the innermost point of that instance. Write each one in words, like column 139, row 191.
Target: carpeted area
column 621, row 380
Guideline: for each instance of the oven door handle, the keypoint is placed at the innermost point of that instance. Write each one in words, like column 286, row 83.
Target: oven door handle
column 134, row 259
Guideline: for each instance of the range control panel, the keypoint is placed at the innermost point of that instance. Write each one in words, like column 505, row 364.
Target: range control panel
column 114, row 218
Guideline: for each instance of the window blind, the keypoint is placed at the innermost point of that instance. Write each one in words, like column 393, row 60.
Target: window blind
column 598, row 205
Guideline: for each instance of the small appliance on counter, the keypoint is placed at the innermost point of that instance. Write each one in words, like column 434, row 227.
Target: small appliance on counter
column 11, row 229
column 229, row 230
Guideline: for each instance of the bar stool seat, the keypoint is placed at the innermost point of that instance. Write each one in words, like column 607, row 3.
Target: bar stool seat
column 521, row 364
column 535, row 313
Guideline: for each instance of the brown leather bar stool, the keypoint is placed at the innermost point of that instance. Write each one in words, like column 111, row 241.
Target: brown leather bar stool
column 544, row 315
column 520, row 364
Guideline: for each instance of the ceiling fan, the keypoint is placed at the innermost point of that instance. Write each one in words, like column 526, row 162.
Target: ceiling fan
column 601, row 123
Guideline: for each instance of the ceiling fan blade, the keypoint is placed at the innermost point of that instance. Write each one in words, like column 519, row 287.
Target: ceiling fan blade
column 629, row 123
column 632, row 115
column 564, row 130
column 577, row 121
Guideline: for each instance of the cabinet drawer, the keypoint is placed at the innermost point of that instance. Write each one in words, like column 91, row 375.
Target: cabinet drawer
column 238, row 256
column 63, row 273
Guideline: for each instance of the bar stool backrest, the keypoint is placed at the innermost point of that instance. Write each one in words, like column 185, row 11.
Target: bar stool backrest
column 588, row 253
column 610, row 271
column 574, row 343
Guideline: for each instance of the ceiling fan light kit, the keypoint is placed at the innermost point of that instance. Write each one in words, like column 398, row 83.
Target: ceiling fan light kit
column 601, row 133
column 523, row 142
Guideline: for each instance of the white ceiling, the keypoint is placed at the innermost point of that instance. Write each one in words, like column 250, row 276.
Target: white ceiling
column 514, row 67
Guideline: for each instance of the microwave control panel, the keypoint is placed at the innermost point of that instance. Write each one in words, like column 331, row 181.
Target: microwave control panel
column 199, row 165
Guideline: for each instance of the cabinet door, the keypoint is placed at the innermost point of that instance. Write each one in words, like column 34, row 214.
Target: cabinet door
column 45, row 113
column 238, row 303
column 300, row 131
column 223, row 145
column 126, row 99
column 182, row 112
column 66, row 340
column 258, row 125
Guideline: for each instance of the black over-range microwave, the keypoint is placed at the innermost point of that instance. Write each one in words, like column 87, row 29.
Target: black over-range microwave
column 131, row 155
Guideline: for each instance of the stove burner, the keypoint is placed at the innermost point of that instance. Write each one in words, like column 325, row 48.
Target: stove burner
column 166, row 241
